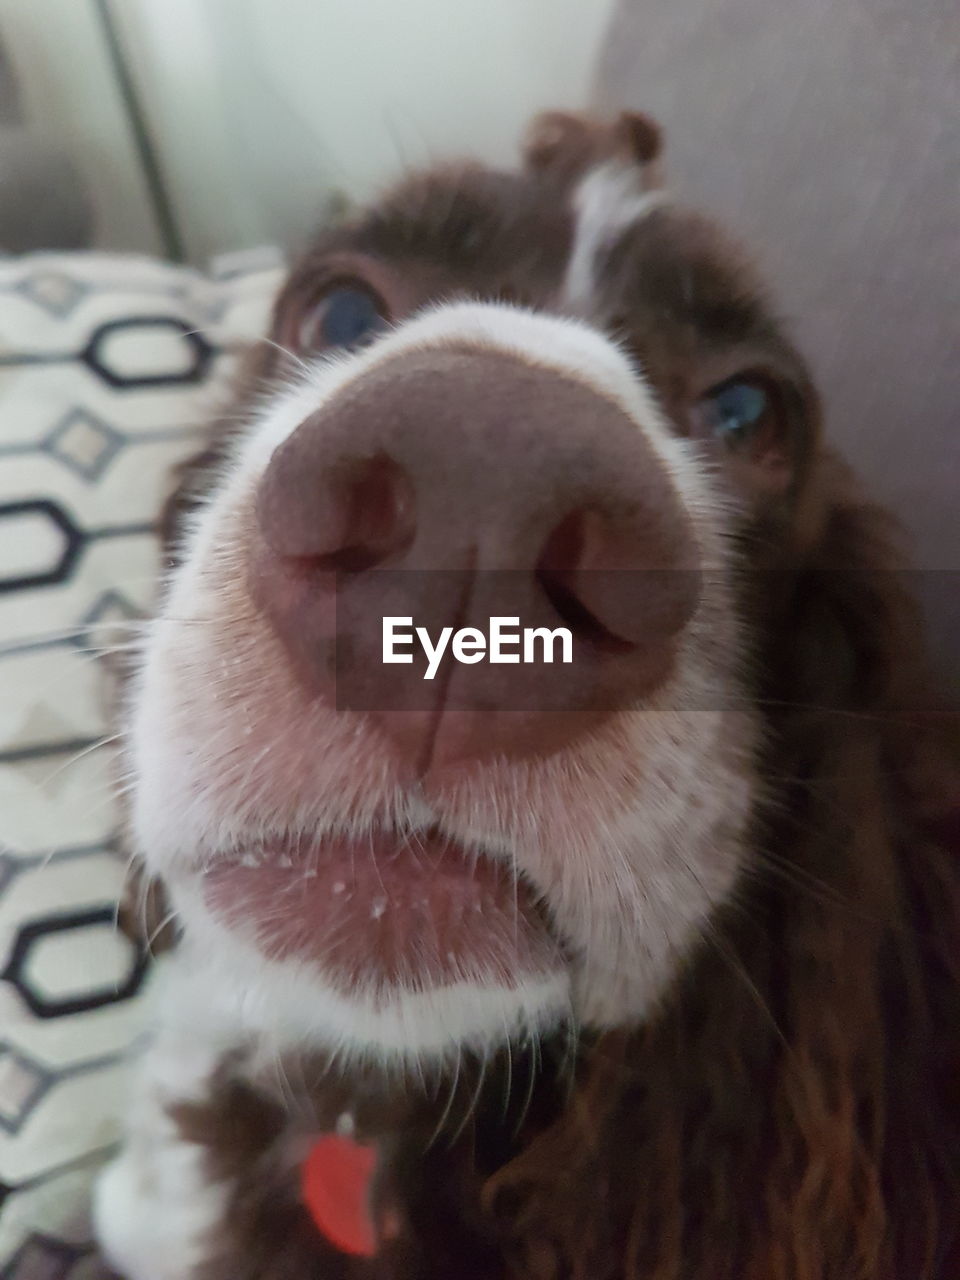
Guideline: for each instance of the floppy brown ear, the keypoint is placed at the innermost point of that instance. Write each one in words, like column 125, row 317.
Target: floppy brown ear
column 850, row 634
column 565, row 144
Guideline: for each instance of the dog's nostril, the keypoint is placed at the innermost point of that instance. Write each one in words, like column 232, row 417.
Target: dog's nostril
column 618, row 582
column 348, row 515
column 376, row 514
column 560, row 573
column 583, row 624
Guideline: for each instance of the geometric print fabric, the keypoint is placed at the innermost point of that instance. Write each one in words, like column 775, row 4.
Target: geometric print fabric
column 110, row 366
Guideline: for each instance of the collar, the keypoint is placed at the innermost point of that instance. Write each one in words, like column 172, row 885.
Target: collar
column 336, row 1181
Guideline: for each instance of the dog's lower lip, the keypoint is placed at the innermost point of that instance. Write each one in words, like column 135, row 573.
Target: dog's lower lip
column 385, row 912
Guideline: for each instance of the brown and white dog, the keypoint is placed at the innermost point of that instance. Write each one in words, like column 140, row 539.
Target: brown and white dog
column 641, row 966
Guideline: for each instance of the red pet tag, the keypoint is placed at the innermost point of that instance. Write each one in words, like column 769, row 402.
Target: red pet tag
column 335, row 1183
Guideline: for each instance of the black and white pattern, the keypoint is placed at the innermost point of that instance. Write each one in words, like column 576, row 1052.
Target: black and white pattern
column 109, row 368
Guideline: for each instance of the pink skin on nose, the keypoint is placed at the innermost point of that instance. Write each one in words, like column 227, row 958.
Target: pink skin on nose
column 452, row 486
column 382, row 913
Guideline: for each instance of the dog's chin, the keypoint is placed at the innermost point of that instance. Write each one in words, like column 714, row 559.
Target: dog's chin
column 382, row 948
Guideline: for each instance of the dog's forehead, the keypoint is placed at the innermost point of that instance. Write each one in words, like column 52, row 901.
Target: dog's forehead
column 669, row 284
column 678, row 267
column 598, row 248
column 470, row 218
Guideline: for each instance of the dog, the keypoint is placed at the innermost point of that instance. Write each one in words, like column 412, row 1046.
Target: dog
column 641, row 965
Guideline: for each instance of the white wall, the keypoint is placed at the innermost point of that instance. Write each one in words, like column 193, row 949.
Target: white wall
column 70, row 97
column 264, row 108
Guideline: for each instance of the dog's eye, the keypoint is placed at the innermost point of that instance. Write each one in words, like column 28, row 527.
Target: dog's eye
column 734, row 411
column 348, row 316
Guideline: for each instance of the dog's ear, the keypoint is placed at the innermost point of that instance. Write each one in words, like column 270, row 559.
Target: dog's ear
column 848, row 637
column 640, row 136
column 564, row 145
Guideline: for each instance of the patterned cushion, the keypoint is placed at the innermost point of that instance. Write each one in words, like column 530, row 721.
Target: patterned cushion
column 109, row 367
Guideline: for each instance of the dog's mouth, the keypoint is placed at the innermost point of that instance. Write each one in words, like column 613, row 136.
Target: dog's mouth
column 386, row 912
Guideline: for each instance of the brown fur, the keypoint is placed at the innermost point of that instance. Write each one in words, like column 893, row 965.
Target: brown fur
column 792, row 1114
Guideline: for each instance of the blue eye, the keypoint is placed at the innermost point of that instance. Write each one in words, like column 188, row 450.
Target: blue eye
column 735, row 409
column 347, row 316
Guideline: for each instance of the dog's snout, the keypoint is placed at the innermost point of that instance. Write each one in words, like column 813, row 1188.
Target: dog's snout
column 453, row 486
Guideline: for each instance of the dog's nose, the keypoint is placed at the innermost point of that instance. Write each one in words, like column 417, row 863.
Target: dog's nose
column 451, row 486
